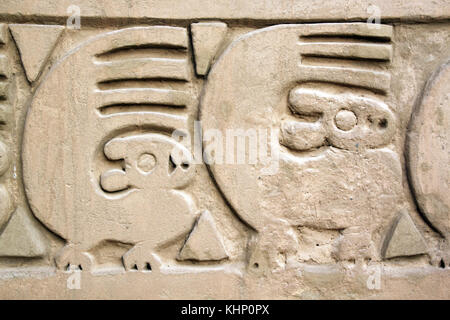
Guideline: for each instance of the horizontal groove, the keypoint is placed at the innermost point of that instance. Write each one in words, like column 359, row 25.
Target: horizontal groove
column 142, row 68
column 309, row 58
column 342, row 38
column 356, row 51
column 136, row 51
column 158, row 83
column 374, row 80
column 135, row 108
column 406, row 15
column 369, row 32
column 127, row 96
column 151, row 36
column 143, row 46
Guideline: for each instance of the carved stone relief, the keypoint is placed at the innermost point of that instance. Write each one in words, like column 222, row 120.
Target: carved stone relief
column 7, row 201
column 428, row 155
column 334, row 131
column 260, row 153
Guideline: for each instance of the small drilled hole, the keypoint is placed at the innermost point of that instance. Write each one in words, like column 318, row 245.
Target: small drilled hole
column 256, row 265
column 185, row 165
column 148, row 267
column 134, row 267
column 383, row 123
column 442, row 264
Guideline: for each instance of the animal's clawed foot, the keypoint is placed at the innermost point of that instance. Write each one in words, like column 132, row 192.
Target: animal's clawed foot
column 141, row 258
column 355, row 245
column 71, row 257
column 441, row 258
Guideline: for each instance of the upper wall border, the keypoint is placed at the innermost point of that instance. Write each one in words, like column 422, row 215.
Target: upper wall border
column 264, row 11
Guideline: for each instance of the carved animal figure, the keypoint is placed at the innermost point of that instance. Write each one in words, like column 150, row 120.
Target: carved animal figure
column 93, row 169
column 335, row 171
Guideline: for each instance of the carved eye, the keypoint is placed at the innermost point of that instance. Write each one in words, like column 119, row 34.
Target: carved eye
column 146, row 162
column 345, row 120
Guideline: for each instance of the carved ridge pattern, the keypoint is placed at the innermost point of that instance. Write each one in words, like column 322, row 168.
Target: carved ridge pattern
column 330, row 44
column 6, row 200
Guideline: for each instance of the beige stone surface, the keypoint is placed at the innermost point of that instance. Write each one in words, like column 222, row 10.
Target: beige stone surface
column 414, row 10
column 140, row 204
column 405, row 239
column 206, row 40
column 224, row 149
column 429, row 155
column 35, row 44
column 21, row 238
column 196, row 248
